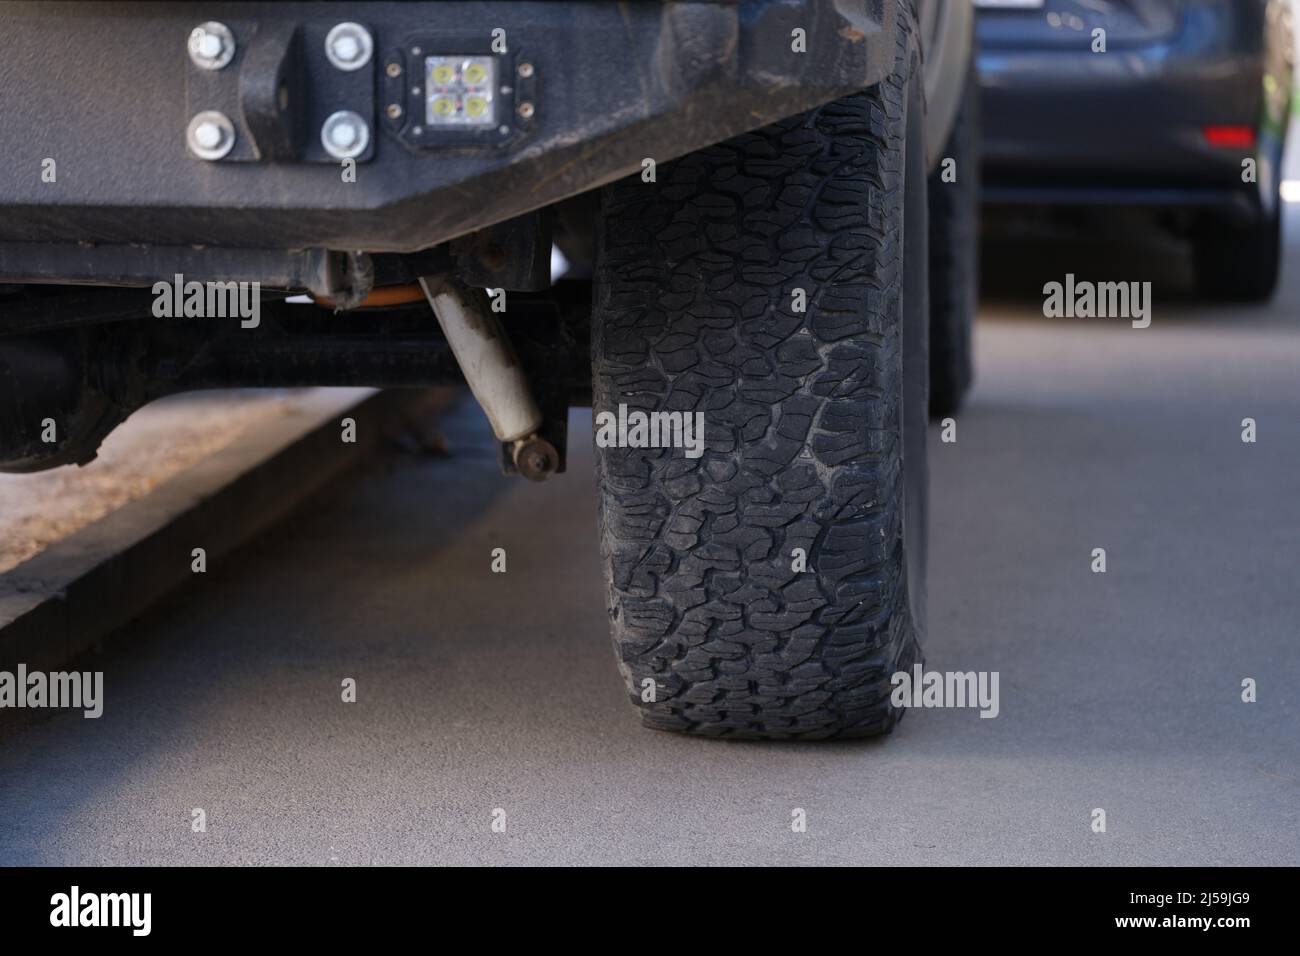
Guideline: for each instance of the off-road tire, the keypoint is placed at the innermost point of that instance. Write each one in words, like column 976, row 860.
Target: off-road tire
column 954, row 259
column 814, row 420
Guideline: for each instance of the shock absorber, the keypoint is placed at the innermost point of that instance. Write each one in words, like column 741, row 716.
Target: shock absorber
column 493, row 373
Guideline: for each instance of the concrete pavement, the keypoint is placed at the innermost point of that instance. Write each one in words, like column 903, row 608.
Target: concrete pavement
column 479, row 691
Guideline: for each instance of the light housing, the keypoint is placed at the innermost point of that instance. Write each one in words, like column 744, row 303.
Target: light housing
column 460, row 91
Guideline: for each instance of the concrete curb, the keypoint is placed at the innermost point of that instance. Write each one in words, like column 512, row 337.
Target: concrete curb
column 65, row 599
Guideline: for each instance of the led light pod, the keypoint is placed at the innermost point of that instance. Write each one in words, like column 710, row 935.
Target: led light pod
column 460, row 91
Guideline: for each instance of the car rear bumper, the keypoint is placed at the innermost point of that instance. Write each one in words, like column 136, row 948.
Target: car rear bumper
column 1129, row 126
column 1238, row 205
column 589, row 91
column 1106, row 120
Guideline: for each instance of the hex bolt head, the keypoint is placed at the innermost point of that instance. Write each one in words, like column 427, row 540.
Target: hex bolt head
column 347, row 49
column 210, row 135
column 211, row 45
column 345, row 135
column 207, row 135
column 348, row 46
column 208, row 46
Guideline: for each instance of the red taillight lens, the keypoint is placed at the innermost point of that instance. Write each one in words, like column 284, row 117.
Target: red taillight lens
column 1230, row 137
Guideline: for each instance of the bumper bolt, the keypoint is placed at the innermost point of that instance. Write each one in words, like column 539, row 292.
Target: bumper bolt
column 210, row 135
column 211, row 45
column 348, row 46
column 345, row 135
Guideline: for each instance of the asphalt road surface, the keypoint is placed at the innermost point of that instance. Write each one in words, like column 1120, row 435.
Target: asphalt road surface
column 479, row 691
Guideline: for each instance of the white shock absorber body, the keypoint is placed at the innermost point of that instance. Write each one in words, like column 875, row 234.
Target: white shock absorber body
column 486, row 359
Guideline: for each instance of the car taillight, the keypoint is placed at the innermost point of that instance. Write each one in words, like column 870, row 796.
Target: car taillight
column 1230, row 137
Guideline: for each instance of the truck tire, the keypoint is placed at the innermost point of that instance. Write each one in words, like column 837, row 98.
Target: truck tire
column 814, row 420
column 954, row 259
column 1239, row 263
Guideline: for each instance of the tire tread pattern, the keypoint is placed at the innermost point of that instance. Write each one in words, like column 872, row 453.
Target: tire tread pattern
column 694, row 312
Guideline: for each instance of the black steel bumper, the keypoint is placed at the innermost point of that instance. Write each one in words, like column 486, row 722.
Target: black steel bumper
column 107, row 90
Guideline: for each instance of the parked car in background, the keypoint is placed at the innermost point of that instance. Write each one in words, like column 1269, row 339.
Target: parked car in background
column 1177, row 106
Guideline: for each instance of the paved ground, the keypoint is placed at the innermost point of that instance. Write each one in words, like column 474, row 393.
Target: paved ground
column 479, row 691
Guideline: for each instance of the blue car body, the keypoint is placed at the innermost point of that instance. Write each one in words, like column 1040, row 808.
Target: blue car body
column 1159, row 103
